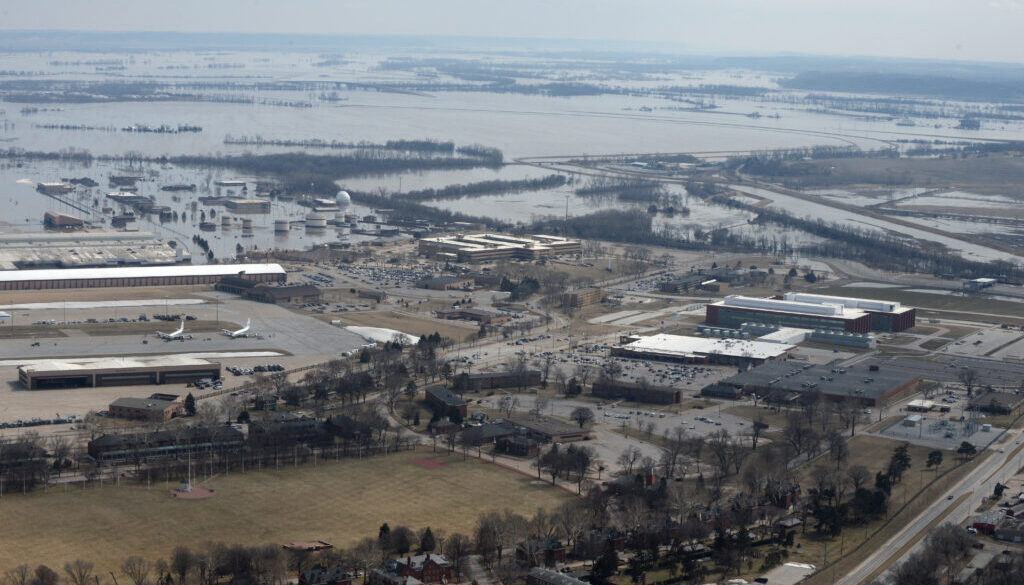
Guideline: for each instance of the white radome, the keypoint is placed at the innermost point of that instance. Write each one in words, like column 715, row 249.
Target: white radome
column 343, row 199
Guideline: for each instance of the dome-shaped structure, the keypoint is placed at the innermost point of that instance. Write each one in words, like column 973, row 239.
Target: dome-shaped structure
column 343, row 199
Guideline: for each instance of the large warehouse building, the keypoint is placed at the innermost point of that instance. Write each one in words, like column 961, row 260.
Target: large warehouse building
column 137, row 276
column 885, row 315
column 490, row 247
column 116, row 372
column 868, row 383
column 38, row 250
column 735, row 310
column 699, row 350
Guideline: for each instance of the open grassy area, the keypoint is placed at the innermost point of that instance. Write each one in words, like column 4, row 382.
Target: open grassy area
column 339, row 502
column 856, row 536
column 874, row 453
column 404, row 322
column 938, row 302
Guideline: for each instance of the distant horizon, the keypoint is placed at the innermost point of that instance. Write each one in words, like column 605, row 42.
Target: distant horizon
column 666, row 48
column 953, row 30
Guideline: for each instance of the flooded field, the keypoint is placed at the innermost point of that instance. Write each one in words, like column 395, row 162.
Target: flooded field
column 232, row 102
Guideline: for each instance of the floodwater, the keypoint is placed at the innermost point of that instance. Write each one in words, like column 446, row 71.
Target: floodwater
column 806, row 209
column 521, row 125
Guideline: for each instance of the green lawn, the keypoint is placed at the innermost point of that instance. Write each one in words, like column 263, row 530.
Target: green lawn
column 339, row 502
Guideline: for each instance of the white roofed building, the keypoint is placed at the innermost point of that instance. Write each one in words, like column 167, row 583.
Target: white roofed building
column 682, row 348
column 137, row 276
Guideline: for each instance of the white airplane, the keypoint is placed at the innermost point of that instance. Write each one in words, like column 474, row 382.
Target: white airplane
column 179, row 334
column 243, row 332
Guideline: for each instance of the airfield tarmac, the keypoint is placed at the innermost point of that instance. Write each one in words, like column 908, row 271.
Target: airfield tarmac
column 297, row 340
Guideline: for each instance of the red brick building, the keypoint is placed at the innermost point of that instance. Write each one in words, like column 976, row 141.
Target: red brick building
column 428, row 568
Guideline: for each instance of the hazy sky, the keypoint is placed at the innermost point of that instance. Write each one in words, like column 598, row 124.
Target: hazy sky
column 964, row 29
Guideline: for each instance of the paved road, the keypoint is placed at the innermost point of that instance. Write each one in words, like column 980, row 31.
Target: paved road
column 979, row 484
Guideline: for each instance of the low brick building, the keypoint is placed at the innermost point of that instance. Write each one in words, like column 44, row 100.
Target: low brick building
column 582, row 298
column 158, row 407
column 427, row 568
column 441, row 397
column 636, row 392
column 490, row 380
column 446, row 283
column 479, row 315
column 301, row 293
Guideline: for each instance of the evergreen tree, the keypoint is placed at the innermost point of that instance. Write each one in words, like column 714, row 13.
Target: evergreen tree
column 427, row 542
column 190, row 405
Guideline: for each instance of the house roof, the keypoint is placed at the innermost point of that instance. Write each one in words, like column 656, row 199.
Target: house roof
column 282, row 292
column 150, row 404
column 554, row 577
column 445, row 395
column 419, row 561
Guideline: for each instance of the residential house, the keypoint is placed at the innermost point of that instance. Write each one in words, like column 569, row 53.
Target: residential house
column 539, row 576
column 428, row 568
column 547, row 552
column 321, row 575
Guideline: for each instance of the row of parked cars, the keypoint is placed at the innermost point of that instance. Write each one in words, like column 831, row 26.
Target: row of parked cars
column 35, row 422
column 240, row 371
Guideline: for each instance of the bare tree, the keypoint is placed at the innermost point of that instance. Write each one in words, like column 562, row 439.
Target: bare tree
column 137, row 569
column 457, row 549
column 968, row 377
column 20, row 575
column 540, row 404
column 508, row 404
column 79, row 571
column 858, row 475
column 629, row 458
column 182, row 561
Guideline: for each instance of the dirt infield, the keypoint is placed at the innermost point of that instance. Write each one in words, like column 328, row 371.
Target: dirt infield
column 428, row 463
column 196, row 493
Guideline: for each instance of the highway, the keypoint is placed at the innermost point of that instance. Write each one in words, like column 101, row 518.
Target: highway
column 998, row 467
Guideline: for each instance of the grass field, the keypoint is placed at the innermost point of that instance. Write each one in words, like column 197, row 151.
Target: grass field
column 405, row 323
column 874, row 453
column 336, row 502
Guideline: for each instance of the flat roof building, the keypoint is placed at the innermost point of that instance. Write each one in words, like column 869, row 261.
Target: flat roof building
column 264, row 293
column 158, row 407
column 582, row 298
column 445, row 283
column 487, row 247
column 776, row 381
column 121, row 371
column 137, row 276
column 481, row 316
column 735, row 310
column 445, row 398
column 549, row 430
column 82, row 249
column 248, row 205
column 169, row 444
column 885, row 315
column 57, row 219
column 686, row 349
